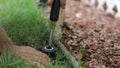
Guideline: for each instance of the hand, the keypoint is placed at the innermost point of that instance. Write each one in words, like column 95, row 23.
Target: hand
column 62, row 2
column 29, row 54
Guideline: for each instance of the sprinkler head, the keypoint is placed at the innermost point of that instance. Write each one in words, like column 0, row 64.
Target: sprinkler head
column 49, row 50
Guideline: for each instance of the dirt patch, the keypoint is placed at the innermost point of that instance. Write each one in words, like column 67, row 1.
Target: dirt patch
column 93, row 33
column 28, row 54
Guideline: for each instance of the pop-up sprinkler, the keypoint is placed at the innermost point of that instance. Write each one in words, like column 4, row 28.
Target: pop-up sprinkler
column 54, row 16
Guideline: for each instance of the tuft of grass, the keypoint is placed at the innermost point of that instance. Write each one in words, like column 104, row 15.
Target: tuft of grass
column 79, row 60
column 11, row 62
column 61, row 61
column 24, row 22
column 14, row 61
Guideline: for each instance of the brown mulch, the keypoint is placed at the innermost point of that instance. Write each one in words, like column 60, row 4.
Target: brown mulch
column 93, row 33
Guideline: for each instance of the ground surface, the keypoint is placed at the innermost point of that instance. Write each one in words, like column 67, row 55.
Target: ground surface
column 92, row 32
column 28, row 54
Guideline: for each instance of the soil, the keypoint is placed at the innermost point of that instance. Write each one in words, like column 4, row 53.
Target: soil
column 93, row 33
column 28, row 54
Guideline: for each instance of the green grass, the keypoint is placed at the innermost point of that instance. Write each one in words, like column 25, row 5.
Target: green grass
column 61, row 61
column 14, row 61
column 7, row 62
column 24, row 22
column 17, row 62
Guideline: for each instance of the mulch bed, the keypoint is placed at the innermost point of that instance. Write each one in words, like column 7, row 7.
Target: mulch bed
column 93, row 33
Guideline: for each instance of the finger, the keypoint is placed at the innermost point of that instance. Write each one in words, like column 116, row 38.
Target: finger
column 63, row 3
column 50, row 2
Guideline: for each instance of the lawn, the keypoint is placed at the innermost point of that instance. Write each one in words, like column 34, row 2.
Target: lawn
column 25, row 24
